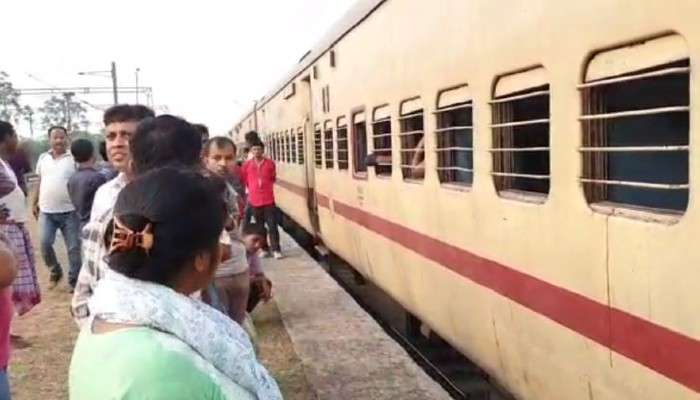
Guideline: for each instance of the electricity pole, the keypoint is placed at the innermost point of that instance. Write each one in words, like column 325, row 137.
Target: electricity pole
column 113, row 73
column 114, row 82
column 66, row 108
column 137, row 85
column 31, row 122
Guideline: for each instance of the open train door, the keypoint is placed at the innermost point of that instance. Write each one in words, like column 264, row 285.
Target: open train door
column 309, row 166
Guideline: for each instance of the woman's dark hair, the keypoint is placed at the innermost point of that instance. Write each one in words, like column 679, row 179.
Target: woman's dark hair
column 164, row 140
column 6, row 130
column 187, row 217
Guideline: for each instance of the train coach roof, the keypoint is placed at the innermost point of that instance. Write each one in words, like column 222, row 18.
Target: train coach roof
column 357, row 13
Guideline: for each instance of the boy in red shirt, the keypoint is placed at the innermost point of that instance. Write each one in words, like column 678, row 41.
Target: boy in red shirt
column 258, row 174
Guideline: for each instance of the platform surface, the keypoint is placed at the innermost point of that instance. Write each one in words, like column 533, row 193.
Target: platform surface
column 344, row 352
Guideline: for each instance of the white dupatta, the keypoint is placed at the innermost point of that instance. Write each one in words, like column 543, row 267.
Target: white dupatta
column 214, row 336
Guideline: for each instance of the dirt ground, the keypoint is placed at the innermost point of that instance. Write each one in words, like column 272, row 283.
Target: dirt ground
column 40, row 371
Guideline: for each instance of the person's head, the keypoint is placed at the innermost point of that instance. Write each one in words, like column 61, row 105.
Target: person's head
column 8, row 138
column 203, row 131
column 58, row 139
column 164, row 140
column 219, row 155
column 180, row 215
column 120, row 124
column 258, row 149
column 102, row 149
column 251, row 137
column 253, row 235
column 83, row 151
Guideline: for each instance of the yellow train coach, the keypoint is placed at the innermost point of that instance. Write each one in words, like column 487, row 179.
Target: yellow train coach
column 517, row 174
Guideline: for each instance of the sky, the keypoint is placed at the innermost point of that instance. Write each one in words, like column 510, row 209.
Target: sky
column 206, row 60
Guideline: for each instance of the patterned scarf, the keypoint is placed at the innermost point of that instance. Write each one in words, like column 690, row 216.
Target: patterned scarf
column 216, row 338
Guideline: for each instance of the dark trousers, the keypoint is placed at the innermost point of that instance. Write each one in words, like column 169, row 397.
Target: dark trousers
column 268, row 215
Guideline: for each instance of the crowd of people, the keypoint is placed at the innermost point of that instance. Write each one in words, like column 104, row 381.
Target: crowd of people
column 164, row 238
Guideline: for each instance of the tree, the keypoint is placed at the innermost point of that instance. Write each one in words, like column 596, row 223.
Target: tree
column 9, row 99
column 65, row 112
column 28, row 116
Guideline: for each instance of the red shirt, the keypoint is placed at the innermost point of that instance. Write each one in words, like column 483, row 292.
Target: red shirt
column 259, row 178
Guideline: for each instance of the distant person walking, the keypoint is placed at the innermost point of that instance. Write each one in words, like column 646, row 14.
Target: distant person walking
column 259, row 175
column 54, row 208
column 85, row 182
column 25, row 287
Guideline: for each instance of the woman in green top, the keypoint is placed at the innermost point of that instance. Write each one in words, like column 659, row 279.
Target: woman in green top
column 147, row 338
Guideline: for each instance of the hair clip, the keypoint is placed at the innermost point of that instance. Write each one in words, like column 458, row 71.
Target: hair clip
column 125, row 239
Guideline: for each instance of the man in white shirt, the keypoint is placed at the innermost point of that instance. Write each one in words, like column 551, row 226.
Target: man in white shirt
column 54, row 208
column 120, row 122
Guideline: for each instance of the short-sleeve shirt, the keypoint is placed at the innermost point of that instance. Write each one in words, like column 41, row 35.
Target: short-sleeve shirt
column 82, row 187
column 141, row 363
column 259, row 178
column 54, row 174
column 106, row 196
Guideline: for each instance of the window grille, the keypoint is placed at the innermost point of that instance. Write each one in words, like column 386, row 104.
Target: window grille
column 318, row 153
column 292, row 146
column 411, row 139
column 300, row 145
column 328, row 143
column 381, row 140
column 520, row 129
column 635, row 145
column 454, row 137
column 342, row 143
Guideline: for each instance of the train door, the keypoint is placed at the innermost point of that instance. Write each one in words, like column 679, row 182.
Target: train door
column 309, row 167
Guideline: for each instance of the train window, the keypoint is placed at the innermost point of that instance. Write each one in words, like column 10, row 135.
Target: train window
column 381, row 139
column 326, row 99
column 292, row 147
column 454, row 136
column 359, row 143
column 635, row 122
column 411, row 137
column 280, row 146
column 520, row 128
column 318, row 153
column 285, row 149
column 300, row 145
column 275, row 150
column 328, row 143
column 342, row 145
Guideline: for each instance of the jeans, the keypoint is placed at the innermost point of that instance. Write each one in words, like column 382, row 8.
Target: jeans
column 268, row 215
column 4, row 385
column 70, row 229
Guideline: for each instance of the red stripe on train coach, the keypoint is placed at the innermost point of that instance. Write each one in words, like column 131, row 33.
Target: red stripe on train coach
column 669, row 353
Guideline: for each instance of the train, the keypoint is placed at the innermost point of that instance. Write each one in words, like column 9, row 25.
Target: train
column 517, row 175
